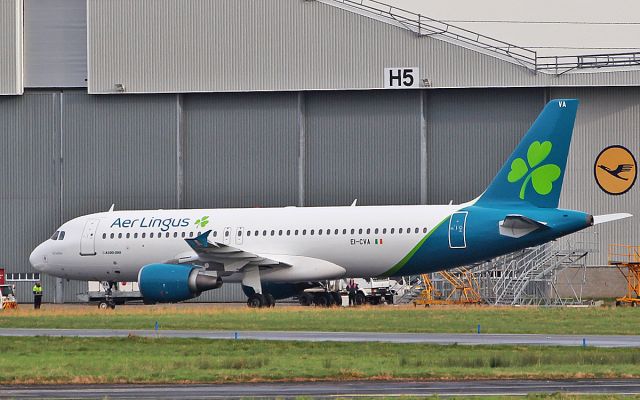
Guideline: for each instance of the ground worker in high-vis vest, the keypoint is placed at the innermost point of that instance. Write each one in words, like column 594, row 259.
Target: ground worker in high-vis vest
column 37, row 295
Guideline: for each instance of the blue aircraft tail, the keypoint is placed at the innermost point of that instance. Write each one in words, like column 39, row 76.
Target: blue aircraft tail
column 533, row 174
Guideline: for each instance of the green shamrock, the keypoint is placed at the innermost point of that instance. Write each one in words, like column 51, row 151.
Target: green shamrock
column 202, row 222
column 541, row 177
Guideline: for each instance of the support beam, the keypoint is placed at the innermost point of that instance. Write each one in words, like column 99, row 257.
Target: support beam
column 302, row 130
column 179, row 152
column 423, row 146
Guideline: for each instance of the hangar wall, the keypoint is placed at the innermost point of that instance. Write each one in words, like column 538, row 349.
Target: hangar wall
column 173, row 46
column 10, row 47
column 72, row 153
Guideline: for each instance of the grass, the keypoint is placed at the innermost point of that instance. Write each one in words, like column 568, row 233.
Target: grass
column 144, row 360
column 582, row 321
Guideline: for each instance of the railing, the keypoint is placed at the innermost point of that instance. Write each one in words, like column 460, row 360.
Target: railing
column 425, row 26
column 623, row 254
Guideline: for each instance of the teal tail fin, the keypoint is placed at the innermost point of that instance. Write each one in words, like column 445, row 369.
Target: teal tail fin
column 534, row 172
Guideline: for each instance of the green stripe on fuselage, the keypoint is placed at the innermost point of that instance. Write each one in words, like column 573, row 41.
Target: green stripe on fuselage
column 406, row 258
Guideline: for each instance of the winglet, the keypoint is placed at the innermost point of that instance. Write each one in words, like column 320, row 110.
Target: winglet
column 601, row 219
column 199, row 242
column 112, row 207
column 354, row 203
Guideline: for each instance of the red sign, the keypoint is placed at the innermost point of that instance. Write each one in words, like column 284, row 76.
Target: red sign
column 1, row 276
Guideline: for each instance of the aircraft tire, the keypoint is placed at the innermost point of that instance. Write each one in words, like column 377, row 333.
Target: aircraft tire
column 305, row 299
column 103, row 305
column 321, row 300
column 269, row 300
column 360, row 299
column 256, row 300
column 337, row 299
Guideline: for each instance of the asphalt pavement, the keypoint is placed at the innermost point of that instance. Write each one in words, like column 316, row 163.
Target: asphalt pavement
column 323, row 389
column 434, row 338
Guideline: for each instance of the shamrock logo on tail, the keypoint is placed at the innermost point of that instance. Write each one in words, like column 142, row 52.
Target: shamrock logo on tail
column 542, row 177
column 202, row 222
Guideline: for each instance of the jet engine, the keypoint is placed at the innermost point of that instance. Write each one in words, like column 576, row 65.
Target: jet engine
column 171, row 283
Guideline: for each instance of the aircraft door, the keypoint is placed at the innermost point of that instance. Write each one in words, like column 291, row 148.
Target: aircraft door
column 227, row 235
column 239, row 233
column 88, row 239
column 457, row 230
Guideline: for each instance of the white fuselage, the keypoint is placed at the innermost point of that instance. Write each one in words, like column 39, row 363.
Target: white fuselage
column 115, row 245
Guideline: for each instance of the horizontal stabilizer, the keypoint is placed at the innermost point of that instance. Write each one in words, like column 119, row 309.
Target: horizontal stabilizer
column 516, row 226
column 600, row 219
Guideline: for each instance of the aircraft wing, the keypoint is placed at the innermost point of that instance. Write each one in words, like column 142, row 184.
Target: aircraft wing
column 222, row 257
column 518, row 225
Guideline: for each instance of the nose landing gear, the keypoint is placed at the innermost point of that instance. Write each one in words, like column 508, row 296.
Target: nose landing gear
column 108, row 301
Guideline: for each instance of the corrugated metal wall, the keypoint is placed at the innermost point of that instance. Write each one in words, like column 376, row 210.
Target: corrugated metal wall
column 607, row 116
column 253, row 45
column 363, row 145
column 470, row 135
column 55, row 43
column 69, row 153
column 240, row 150
column 10, row 47
column 118, row 149
column 29, row 149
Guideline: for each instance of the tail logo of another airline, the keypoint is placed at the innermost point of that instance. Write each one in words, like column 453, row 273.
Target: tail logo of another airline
column 202, row 222
column 541, row 177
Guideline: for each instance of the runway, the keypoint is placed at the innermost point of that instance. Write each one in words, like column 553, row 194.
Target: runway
column 323, row 389
column 433, row 338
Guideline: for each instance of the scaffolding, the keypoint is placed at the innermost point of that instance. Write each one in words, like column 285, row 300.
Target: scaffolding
column 526, row 277
column 627, row 260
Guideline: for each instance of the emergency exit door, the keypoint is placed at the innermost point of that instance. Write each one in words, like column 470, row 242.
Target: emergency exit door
column 457, row 230
column 88, row 239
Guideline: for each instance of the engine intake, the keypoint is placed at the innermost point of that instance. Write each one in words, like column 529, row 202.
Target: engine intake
column 171, row 283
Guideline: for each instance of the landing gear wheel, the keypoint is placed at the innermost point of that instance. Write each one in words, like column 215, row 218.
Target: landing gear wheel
column 305, row 299
column 337, row 299
column 256, row 300
column 321, row 300
column 103, row 305
column 269, row 300
column 360, row 299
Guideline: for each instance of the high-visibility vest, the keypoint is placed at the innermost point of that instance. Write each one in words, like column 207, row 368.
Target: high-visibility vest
column 37, row 290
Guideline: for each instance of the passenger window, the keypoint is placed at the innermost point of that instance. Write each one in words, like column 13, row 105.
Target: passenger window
column 184, row 234
column 239, row 233
column 311, row 233
column 360, row 231
column 280, row 232
column 55, row 235
column 424, row 230
column 248, row 233
column 319, row 231
column 119, row 235
column 199, row 233
column 344, row 231
column 144, row 235
column 288, row 232
column 408, row 230
column 135, row 235
column 417, row 230
column 264, row 233
column 215, row 233
column 368, row 231
column 376, row 231
column 104, row 235
column 296, row 232
column 384, row 230
column 160, row 235
column 175, row 234
column 151, row 235
column 399, row 230
column 226, row 234
column 304, row 232
column 353, row 231
column 112, row 235
column 393, row 230
column 257, row 233
column 336, row 231
column 128, row 235
column 61, row 236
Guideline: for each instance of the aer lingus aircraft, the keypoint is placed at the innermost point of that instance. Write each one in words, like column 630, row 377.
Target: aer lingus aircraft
column 177, row 254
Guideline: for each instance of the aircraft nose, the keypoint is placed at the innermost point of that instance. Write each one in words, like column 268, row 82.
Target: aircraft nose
column 37, row 258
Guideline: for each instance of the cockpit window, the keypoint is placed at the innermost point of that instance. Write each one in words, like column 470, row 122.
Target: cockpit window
column 61, row 236
column 55, row 235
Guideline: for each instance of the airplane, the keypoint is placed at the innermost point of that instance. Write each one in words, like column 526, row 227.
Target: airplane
column 276, row 253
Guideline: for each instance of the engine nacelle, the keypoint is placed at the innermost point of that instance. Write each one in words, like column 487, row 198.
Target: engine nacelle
column 171, row 283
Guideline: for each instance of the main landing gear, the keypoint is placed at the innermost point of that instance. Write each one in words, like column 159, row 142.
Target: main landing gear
column 320, row 299
column 258, row 300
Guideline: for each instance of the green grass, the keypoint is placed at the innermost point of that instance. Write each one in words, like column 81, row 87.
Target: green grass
column 582, row 321
column 144, row 360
